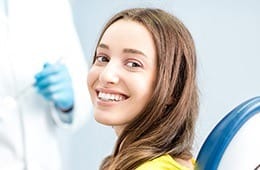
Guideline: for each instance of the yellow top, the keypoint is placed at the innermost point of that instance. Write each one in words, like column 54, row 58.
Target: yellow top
column 165, row 162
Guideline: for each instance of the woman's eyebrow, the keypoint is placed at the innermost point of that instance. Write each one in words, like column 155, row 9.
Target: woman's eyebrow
column 101, row 45
column 125, row 50
column 133, row 51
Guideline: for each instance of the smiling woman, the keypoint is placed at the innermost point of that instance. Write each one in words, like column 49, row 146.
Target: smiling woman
column 143, row 83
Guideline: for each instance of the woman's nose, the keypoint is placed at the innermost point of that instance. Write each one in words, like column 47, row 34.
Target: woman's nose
column 109, row 75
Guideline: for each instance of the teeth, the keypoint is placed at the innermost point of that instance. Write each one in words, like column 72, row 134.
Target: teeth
column 110, row 97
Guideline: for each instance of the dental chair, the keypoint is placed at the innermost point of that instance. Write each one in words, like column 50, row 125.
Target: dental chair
column 234, row 143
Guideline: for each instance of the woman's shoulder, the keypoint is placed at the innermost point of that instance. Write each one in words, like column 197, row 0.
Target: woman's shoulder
column 164, row 162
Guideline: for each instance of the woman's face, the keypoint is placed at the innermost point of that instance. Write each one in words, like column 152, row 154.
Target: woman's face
column 122, row 79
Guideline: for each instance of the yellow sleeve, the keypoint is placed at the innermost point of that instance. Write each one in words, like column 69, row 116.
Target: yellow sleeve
column 164, row 162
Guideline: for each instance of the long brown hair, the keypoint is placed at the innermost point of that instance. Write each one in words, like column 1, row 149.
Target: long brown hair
column 167, row 124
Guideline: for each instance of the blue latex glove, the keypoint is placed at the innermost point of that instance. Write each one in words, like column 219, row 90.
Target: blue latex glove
column 54, row 84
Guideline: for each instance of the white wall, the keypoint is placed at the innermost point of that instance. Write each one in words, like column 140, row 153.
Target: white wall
column 227, row 37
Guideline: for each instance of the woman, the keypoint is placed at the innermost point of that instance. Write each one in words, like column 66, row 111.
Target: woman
column 143, row 84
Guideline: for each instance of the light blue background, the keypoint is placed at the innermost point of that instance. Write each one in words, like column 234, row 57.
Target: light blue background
column 227, row 37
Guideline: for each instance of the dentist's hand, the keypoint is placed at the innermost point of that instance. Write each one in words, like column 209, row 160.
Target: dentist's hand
column 54, row 84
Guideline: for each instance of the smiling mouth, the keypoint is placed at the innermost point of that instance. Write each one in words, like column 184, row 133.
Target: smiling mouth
column 110, row 97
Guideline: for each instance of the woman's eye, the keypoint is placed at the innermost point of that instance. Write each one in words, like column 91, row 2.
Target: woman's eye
column 133, row 64
column 102, row 59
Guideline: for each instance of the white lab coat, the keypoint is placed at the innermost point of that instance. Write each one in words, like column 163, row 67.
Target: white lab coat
column 38, row 31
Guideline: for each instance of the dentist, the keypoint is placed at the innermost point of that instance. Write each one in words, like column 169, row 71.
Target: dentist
column 42, row 82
